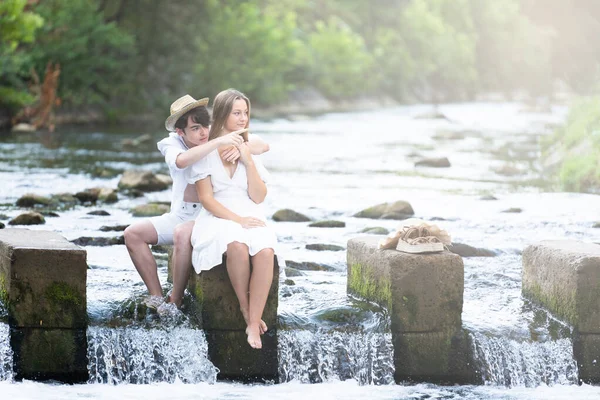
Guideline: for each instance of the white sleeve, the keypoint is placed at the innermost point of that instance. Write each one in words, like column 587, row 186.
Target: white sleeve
column 262, row 171
column 197, row 171
column 170, row 148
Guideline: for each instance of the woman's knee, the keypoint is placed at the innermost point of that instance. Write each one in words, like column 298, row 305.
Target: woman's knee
column 237, row 249
column 266, row 253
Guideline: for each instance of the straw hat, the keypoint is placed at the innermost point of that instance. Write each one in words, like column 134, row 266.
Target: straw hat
column 180, row 107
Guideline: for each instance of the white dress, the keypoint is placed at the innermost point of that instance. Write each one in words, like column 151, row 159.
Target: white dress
column 211, row 234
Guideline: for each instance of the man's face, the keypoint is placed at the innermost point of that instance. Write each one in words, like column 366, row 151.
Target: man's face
column 194, row 133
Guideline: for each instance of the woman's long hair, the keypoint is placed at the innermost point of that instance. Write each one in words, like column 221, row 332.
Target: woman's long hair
column 222, row 107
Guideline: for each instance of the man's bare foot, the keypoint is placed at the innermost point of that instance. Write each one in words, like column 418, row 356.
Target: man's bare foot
column 263, row 326
column 253, row 332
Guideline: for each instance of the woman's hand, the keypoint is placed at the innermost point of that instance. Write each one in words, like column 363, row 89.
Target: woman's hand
column 231, row 154
column 251, row 222
column 245, row 155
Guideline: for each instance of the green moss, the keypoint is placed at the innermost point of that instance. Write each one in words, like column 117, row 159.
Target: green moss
column 60, row 293
column 198, row 293
column 362, row 282
column 3, row 291
column 563, row 306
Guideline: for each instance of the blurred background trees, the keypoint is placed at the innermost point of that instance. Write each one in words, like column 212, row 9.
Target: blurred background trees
column 129, row 56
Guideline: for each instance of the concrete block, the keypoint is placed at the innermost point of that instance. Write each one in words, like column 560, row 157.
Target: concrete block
column 230, row 352
column 50, row 354
column 586, row 349
column 42, row 279
column 423, row 292
column 219, row 305
column 564, row 277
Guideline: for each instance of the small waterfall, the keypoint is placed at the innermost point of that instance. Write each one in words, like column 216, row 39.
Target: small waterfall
column 137, row 355
column 319, row 356
column 510, row 363
column 6, row 354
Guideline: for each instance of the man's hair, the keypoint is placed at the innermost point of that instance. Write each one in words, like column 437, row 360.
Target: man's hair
column 199, row 115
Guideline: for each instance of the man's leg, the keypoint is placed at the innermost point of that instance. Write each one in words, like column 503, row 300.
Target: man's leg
column 137, row 238
column 260, row 284
column 182, row 260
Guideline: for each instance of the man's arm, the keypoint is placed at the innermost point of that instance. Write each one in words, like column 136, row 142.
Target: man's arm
column 197, row 153
column 257, row 145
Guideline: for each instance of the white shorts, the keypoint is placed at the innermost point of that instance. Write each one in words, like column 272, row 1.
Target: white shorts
column 165, row 224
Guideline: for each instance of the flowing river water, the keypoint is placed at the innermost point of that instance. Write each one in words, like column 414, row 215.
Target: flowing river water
column 327, row 167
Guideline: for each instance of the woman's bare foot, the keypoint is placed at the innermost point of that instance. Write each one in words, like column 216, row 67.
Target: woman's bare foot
column 263, row 326
column 253, row 332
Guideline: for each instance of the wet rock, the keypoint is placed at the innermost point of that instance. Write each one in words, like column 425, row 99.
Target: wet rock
column 150, row 210
column 65, row 199
column 4, row 216
column 98, row 212
column 464, row 250
column 87, row 196
column 98, row 241
column 514, row 210
column 287, row 215
column 596, row 225
column 30, row 200
column 161, row 249
column 144, row 181
column 28, row 218
column 344, row 315
column 144, row 139
column 328, row 224
column 441, row 162
column 308, row 266
column 289, row 282
column 2, row 226
column 432, row 115
column 102, row 172
column 324, row 247
column 508, row 170
column 292, row 272
column 115, row 228
column 375, row 230
column 400, row 207
column 165, row 179
column 22, row 128
column 488, row 197
column 107, row 195
column 395, row 216
column 449, row 135
column 49, row 214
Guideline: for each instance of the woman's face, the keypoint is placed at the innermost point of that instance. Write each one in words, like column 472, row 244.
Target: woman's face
column 238, row 117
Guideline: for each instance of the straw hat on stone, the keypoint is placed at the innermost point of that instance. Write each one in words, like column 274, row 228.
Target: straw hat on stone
column 180, row 107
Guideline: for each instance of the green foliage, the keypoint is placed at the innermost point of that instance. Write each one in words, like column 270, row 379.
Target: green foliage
column 92, row 53
column 17, row 27
column 339, row 61
column 579, row 147
column 247, row 48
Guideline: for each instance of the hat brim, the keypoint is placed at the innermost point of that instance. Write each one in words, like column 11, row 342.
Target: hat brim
column 170, row 122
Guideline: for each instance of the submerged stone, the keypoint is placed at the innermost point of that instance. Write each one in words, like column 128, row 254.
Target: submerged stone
column 308, row 266
column 376, row 230
column 400, row 207
column 328, row 224
column 324, row 247
column 287, row 215
column 441, row 162
column 150, row 210
column 464, row 250
column 28, row 218
column 30, row 200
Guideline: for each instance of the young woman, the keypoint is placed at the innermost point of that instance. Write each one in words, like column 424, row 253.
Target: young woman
column 232, row 220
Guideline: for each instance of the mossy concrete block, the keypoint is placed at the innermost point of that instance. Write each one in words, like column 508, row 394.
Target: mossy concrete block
column 220, row 307
column 586, row 349
column 564, row 277
column 230, row 352
column 423, row 292
column 444, row 357
column 43, row 278
column 50, row 354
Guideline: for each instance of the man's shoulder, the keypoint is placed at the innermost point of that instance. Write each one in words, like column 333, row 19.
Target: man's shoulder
column 171, row 140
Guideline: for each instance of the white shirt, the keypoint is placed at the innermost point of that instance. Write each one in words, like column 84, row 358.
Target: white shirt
column 171, row 147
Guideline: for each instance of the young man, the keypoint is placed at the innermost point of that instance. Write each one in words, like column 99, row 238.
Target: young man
column 187, row 143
